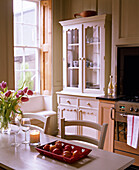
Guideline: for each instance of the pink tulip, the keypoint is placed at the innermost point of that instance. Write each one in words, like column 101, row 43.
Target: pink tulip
column 17, row 95
column 3, row 85
column 24, row 99
column 7, row 94
column 20, row 92
column 30, row 92
column 25, row 89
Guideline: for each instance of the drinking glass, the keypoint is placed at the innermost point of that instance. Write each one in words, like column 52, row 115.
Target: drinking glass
column 25, row 126
column 15, row 128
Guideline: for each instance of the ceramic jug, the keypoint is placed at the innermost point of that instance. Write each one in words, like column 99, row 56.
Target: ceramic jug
column 86, row 14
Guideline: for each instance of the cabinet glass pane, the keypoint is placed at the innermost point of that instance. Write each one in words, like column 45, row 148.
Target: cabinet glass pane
column 72, row 58
column 92, row 56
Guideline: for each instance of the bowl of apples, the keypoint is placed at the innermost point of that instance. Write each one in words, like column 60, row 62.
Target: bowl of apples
column 63, row 151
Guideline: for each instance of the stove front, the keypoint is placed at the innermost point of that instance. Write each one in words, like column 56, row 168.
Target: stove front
column 122, row 109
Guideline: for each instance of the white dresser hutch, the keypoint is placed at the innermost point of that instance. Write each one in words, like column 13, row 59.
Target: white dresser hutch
column 86, row 69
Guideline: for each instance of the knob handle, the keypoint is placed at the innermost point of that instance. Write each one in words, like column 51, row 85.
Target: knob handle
column 88, row 104
column 131, row 109
column 136, row 109
column 68, row 102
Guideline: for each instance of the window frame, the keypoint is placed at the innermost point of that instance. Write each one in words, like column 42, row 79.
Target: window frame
column 36, row 46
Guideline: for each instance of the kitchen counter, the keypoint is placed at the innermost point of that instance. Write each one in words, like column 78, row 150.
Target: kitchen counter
column 110, row 98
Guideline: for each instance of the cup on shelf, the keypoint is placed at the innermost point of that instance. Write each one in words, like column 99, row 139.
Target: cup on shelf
column 75, row 63
column 87, row 63
column 91, row 64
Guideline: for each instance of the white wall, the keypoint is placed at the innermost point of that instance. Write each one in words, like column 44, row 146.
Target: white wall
column 57, row 61
column 6, row 43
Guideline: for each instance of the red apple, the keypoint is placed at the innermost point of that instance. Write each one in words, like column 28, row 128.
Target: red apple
column 52, row 147
column 58, row 142
column 67, row 148
column 46, row 147
column 57, row 151
column 58, row 145
column 76, row 153
column 67, row 154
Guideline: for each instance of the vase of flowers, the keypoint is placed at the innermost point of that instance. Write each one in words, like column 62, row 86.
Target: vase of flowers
column 10, row 102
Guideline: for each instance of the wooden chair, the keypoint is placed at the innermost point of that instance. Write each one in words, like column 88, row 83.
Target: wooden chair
column 44, row 119
column 102, row 129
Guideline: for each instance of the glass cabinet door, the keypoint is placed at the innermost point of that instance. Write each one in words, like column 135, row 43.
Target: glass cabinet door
column 72, row 53
column 92, row 57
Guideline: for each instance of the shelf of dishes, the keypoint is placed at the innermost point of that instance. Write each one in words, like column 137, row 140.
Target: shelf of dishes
column 89, row 64
column 90, row 85
column 92, row 43
column 92, row 68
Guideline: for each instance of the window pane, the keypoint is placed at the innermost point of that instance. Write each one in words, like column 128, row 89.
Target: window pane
column 30, row 78
column 18, row 79
column 29, row 35
column 29, row 12
column 18, row 58
column 17, row 11
column 17, row 34
column 25, row 34
column 30, row 55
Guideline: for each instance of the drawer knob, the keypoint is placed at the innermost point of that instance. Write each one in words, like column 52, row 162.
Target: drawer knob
column 75, row 110
column 68, row 102
column 88, row 104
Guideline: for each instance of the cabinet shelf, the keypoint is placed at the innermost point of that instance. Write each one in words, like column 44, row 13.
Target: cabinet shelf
column 75, row 44
column 93, row 68
column 93, row 43
column 73, row 68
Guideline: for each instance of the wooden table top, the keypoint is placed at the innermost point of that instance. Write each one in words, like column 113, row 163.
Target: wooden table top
column 26, row 157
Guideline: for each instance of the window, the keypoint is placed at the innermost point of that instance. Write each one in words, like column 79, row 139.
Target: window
column 26, row 44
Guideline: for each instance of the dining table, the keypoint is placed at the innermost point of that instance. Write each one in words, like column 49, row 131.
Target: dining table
column 25, row 156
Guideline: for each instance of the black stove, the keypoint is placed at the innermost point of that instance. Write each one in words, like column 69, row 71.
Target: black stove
column 130, row 98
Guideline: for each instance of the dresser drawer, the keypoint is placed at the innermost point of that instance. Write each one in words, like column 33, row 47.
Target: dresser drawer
column 88, row 103
column 68, row 101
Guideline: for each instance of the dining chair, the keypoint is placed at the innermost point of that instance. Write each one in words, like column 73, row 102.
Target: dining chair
column 101, row 128
column 43, row 119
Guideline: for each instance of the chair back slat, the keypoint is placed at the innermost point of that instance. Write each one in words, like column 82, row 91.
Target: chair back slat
column 101, row 128
column 82, row 138
column 83, row 123
column 44, row 119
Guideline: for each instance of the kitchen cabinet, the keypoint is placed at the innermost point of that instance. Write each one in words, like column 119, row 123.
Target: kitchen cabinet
column 125, row 28
column 125, row 22
column 78, row 108
column 86, row 54
column 105, row 117
column 86, row 69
